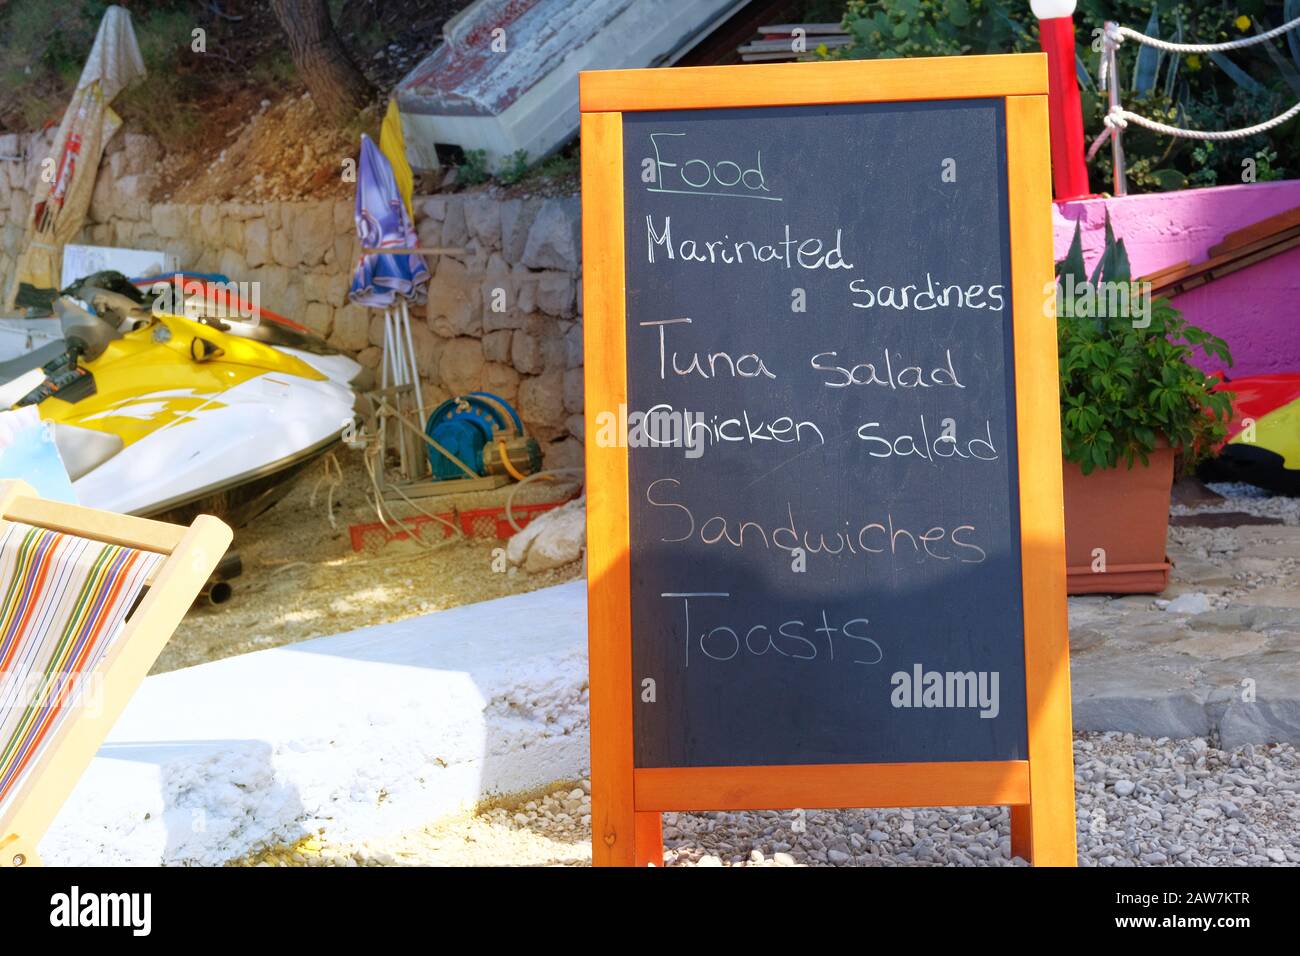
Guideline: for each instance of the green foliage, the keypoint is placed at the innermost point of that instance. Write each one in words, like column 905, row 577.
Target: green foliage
column 1124, row 387
column 893, row 28
column 563, row 165
column 161, row 103
column 275, row 69
column 44, row 43
column 514, row 167
column 474, row 170
column 1218, row 92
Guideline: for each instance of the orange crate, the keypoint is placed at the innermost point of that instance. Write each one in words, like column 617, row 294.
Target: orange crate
column 487, row 523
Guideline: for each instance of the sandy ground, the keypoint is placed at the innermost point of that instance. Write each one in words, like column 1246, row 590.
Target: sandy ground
column 302, row 578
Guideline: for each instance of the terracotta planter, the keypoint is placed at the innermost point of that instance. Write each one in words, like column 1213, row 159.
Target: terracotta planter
column 1124, row 512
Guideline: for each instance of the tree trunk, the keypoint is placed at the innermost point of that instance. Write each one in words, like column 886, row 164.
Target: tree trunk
column 337, row 86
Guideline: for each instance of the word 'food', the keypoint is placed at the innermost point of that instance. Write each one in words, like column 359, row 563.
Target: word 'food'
column 699, row 177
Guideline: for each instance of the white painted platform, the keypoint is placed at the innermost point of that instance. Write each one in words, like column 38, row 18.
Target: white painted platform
column 364, row 733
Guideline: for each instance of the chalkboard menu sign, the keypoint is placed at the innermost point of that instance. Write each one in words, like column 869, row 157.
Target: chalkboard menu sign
column 819, row 381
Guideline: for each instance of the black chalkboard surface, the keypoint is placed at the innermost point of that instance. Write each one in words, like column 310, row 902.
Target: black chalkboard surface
column 825, row 542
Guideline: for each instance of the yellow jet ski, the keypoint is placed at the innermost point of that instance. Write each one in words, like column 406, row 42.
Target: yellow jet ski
column 158, row 414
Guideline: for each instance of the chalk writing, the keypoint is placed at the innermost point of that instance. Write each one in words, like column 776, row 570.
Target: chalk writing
column 793, row 640
column 699, row 177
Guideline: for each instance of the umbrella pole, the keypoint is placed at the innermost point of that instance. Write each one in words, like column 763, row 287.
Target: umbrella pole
column 408, row 396
column 383, row 420
column 415, row 381
column 392, row 349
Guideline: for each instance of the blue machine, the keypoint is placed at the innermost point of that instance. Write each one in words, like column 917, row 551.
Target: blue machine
column 482, row 431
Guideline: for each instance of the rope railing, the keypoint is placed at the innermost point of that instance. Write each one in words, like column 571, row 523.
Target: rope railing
column 1117, row 118
column 1117, row 33
column 1122, row 117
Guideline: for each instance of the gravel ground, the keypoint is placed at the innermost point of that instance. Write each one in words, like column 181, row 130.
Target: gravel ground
column 1248, row 498
column 1140, row 802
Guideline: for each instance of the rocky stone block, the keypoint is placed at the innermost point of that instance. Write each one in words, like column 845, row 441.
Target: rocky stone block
column 517, row 217
column 554, row 240
column 455, row 232
column 451, row 305
column 257, row 243
column 483, row 220
column 460, row 366
column 573, row 346
column 555, row 293
column 565, row 452
column 573, row 390
column 168, row 220
column 497, row 321
column 541, row 405
column 526, row 353
column 496, row 346
column 500, row 379
column 318, row 317
column 351, row 330
column 577, row 425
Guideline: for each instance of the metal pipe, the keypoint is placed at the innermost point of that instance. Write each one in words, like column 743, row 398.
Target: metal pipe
column 1116, row 132
column 392, row 349
column 417, row 470
column 231, row 566
column 217, row 593
column 383, row 423
column 218, row 589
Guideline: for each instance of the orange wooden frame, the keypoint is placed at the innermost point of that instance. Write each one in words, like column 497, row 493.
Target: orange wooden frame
column 626, row 801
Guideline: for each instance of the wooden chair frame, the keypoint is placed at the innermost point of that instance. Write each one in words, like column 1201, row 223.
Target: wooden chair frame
column 627, row 800
column 192, row 555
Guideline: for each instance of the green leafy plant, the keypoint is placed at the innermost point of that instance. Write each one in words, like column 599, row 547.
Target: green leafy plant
column 514, row 167
column 1219, row 91
column 891, row 28
column 1127, row 384
column 474, row 170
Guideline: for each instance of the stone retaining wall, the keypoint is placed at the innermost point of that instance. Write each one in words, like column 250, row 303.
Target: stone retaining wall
column 503, row 315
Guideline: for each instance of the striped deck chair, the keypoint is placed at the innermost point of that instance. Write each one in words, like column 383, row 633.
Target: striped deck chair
column 87, row 601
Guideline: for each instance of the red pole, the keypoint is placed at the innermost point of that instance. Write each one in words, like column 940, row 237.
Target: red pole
column 1069, row 172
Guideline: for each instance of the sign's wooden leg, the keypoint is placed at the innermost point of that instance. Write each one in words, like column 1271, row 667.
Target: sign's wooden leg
column 649, row 839
column 613, row 825
column 609, row 614
column 1050, row 822
column 1021, row 842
